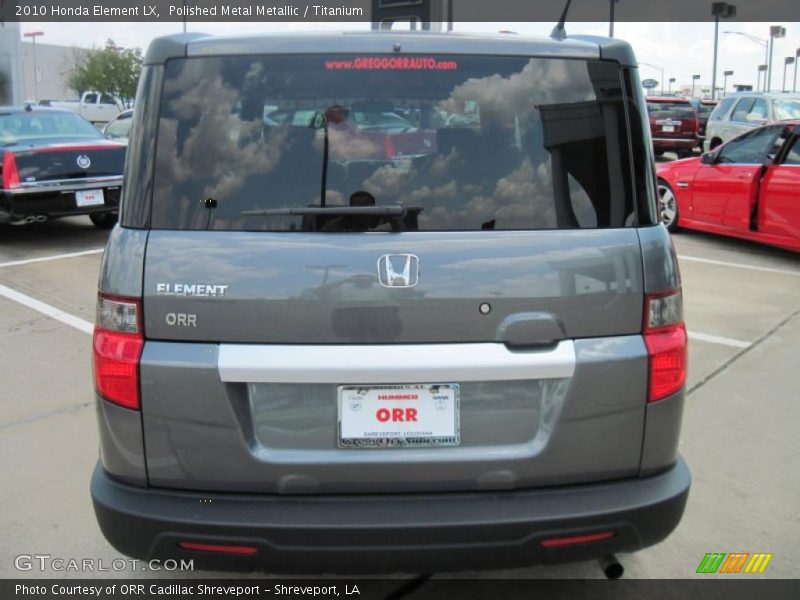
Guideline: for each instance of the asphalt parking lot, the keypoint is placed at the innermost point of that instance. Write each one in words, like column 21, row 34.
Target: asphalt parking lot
column 739, row 432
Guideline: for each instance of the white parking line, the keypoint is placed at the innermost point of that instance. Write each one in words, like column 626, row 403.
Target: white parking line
column 46, row 309
column 28, row 261
column 723, row 263
column 715, row 339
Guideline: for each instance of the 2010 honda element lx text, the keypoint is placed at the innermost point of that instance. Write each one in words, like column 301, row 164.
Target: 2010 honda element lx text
column 389, row 302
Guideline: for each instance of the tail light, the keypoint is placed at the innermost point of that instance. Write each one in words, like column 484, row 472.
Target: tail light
column 117, row 348
column 11, row 178
column 665, row 338
column 220, row 548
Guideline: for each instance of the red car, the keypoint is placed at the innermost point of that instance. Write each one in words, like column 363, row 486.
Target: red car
column 674, row 125
column 747, row 188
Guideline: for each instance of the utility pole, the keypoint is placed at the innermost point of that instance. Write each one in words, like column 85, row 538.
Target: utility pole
column 776, row 31
column 788, row 61
column 726, row 74
column 719, row 10
column 611, row 19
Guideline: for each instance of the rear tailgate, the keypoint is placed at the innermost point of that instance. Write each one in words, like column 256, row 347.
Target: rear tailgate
column 251, row 335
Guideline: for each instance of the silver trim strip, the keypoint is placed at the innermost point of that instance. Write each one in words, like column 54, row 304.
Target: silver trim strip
column 66, row 185
column 399, row 363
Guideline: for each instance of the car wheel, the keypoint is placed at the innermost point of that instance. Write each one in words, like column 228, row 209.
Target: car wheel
column 103, row 220
column 667, row 206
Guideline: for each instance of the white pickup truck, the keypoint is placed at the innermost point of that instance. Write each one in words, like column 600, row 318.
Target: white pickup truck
column 93, row 106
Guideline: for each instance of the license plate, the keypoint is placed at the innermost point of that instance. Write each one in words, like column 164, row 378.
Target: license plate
column 398, row 416
column 89, row 197
column 668, row 128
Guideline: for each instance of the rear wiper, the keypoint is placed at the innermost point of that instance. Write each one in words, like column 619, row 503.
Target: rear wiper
column 395, row 210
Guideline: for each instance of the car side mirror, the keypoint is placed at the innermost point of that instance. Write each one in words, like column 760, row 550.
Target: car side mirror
column 709, row 158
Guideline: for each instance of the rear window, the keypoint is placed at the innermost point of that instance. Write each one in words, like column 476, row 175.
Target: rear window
column 34, row 125
column 721, row 109
column 461, row 142
column 671, row 110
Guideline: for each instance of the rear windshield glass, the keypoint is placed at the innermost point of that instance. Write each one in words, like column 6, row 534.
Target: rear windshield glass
column 456, row 142
column 786, row 110
column 672, row 110
column 35, row 125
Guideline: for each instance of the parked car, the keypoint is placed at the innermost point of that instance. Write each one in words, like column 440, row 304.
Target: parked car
column 92, row 106
column 738, row 113
column 746, row 188
column 56, row 164
column 674, row 124
column 704, row 109
column 120, row 127
column 471, row 358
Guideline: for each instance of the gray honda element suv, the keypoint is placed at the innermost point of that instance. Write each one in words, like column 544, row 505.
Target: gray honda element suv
column 388, row 302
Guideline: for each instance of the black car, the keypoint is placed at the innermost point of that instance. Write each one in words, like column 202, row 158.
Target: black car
column 57, row 164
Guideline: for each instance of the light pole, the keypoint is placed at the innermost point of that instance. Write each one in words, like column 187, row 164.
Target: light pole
column 789, row 60
column 757, row 40
column 33, row 35
column 726, row 74
column 659, row 69
column 762, row 69
column 611, row 19
column 776, row 31
column 671, row 81
column 719, row 10
column 694, row 78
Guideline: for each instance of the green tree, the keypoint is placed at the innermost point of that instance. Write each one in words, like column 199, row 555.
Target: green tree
column 110, row 70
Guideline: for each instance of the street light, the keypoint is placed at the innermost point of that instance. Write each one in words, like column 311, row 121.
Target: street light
column 726, row 74
column 33, row 35
column 761, row 69
column 776, row 31
column 660, row 69
column 719, row 10
column 611, row 19
column 672, row 80
column 789, row 60
column 757, row 40
column 694, row 78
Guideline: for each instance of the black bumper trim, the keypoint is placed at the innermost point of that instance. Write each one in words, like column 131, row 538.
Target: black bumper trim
column 391, row 533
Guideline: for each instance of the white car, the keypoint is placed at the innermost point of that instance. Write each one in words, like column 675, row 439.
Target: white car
column 93, row 106
column 120, row 128
column 738, row 113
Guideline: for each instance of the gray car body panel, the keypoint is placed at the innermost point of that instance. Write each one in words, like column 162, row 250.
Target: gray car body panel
column 121, row 442
column 122, row 267
column 300, row 288
column 201, row 433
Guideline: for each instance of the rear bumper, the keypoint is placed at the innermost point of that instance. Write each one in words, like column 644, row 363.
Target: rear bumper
column 53, row 203
column 390, row 533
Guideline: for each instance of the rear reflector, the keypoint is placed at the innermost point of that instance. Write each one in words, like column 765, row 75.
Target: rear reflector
column 222, row 549
column 575, row 540
column 666, row 342
column 11, row 178
column 117, row 349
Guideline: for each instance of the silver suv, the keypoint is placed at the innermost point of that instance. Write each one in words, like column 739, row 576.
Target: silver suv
column 330, row 343
column 740, row 113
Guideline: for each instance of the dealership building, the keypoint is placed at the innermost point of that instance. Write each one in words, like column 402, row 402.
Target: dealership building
column 29, row 74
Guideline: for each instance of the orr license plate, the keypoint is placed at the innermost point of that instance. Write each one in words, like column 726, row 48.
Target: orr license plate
column 89, row 198
column 398, row 416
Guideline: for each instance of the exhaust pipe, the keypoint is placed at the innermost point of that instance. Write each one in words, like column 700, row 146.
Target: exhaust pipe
column 30, row 219
column 612, row 568
column 41, row 218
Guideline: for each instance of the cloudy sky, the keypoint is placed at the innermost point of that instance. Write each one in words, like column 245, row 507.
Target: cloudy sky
column 681, row 49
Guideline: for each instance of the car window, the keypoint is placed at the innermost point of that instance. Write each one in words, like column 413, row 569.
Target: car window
column 741, row 110
column 671, row 110
column 120, row 128
column 721, row 109
column 759, row 110
column 793, row 156
column 106, row 99
column 90, row 98
column 786, row 110
column 463, row 142
column 750, row 148
column 30, row 126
